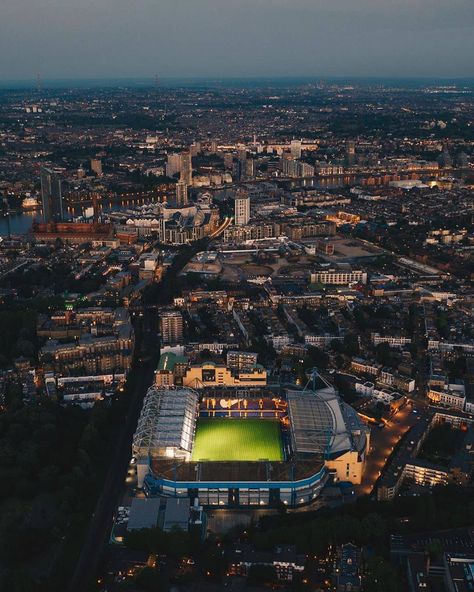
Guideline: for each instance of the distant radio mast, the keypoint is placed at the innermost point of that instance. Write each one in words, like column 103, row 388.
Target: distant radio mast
column 38, row 81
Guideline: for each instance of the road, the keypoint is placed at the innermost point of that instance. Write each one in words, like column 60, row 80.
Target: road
column 101, row 520
column 382, row 443
column 225, row 224
column 16, row 267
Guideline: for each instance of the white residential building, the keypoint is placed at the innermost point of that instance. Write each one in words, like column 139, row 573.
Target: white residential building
column 242, row 210
column 338, row 277
column 393, row 341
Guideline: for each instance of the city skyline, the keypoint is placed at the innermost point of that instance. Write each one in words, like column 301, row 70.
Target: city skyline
column 87, row 40
column 236, row 295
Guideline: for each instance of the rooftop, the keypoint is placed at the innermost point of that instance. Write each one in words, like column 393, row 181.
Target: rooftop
column 169, row 360
column 322, row 423
column 167, row 421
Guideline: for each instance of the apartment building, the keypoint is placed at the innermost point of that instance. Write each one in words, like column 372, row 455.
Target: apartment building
column 171, row 327
column 337, row 277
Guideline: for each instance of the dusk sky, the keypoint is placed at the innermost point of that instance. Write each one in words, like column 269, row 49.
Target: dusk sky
column 200, row 38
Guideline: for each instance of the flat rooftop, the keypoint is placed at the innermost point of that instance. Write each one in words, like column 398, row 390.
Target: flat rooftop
column 350, row 250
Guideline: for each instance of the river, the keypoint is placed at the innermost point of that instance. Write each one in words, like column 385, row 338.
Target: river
column 20, row 222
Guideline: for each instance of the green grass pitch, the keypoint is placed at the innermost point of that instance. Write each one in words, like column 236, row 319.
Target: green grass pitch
column 237, row 439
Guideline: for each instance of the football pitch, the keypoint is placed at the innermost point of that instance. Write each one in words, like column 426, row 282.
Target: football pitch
column 237, row 439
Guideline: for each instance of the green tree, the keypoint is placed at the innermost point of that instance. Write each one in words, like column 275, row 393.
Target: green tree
column 435, row 549
column 383, row 353
column 351, row 345
column 380, row 575
column 260, row 575
column 151, row 580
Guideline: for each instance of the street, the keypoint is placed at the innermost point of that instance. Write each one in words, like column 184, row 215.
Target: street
column 101, row 520
column 382, row 443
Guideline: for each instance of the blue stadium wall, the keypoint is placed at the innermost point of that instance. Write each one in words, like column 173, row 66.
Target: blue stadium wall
column 246, row 494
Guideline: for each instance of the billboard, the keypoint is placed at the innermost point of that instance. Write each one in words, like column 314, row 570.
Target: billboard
column 208, row 374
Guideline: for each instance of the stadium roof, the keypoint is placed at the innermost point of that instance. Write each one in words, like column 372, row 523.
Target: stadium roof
column 167, row 421
column 322, row 423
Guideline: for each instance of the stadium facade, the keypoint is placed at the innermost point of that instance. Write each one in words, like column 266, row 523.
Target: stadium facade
column 320, row 437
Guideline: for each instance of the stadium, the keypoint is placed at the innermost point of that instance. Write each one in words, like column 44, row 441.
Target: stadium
column 260, row 449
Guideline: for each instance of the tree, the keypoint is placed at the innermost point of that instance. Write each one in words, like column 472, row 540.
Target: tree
column 259, row 575
column 19, row 581
column 351, row 345
column 25, row 348
column 316, row 357
column 176, row 543
column 373, row 527
column 205, row 354
column 211, row 560
column 380, row 575
column 435, row 549
column 150, row 579
column 383, row 353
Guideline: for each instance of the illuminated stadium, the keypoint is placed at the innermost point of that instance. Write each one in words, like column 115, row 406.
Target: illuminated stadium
column 237, row 440
column 230, row 450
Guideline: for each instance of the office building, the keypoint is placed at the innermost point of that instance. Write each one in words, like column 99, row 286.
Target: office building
column 195, row 148
column 186, row 173
column 289, row 166
column 350, row 152
column 173, row 165
column 239, row 168
column 338, row 277
column 242, row 209
column 96, row 166
column 171, row 369
column 228, row 161
column 295, row 148
column 181, row 196
column 51, row 195
column 241, row 360
column 305, row 169
column 208, row 375
column 171, row 326
column 249, row 168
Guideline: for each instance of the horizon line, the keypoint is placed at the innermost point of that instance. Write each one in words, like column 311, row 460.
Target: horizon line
column 34, row 79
